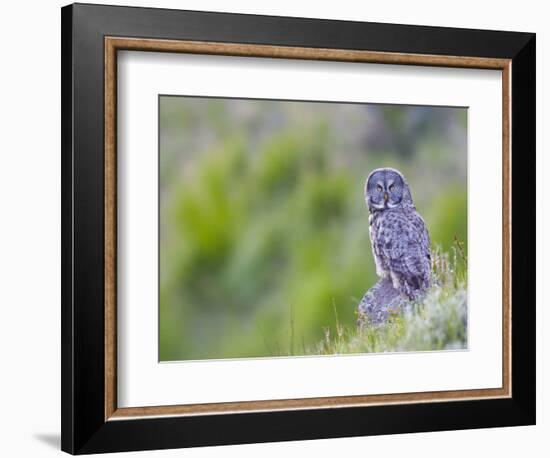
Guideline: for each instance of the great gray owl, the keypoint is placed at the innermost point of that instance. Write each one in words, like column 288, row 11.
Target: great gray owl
column 400, row 245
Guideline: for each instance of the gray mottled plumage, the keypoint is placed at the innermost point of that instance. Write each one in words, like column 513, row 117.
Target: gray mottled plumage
column 379, row 303
column 400, row 245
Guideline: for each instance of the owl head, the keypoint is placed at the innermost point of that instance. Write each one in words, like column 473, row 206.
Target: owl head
column 387, row 188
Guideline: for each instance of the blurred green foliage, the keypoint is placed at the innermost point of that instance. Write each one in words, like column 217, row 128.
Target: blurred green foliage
column 264, row 239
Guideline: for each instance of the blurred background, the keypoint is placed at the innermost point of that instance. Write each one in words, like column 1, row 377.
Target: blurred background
column 264, row 242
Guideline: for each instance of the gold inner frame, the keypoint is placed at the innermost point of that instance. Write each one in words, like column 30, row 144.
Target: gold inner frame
column 112, row 45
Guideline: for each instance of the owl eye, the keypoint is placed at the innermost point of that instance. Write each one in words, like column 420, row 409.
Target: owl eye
column 391, row 187
column 378, row 188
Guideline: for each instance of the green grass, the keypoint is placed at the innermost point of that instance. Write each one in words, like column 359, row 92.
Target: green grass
column 438, row 322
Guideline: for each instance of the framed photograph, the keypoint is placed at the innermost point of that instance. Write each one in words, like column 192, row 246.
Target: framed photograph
column 280, row 228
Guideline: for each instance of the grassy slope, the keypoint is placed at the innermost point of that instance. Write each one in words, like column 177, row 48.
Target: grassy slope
column 439, row 322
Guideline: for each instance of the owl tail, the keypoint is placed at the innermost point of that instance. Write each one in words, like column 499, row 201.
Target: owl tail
column 379, row 303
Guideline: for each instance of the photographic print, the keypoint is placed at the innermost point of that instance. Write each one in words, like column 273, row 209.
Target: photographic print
column 283, row 227
column 302, row 228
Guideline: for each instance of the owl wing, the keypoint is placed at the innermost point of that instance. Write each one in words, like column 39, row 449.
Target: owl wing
column 404, row 243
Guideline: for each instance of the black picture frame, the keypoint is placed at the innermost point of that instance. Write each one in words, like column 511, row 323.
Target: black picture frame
column 84, row 428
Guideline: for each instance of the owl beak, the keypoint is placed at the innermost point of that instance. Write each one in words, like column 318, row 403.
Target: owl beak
column 386, row 197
